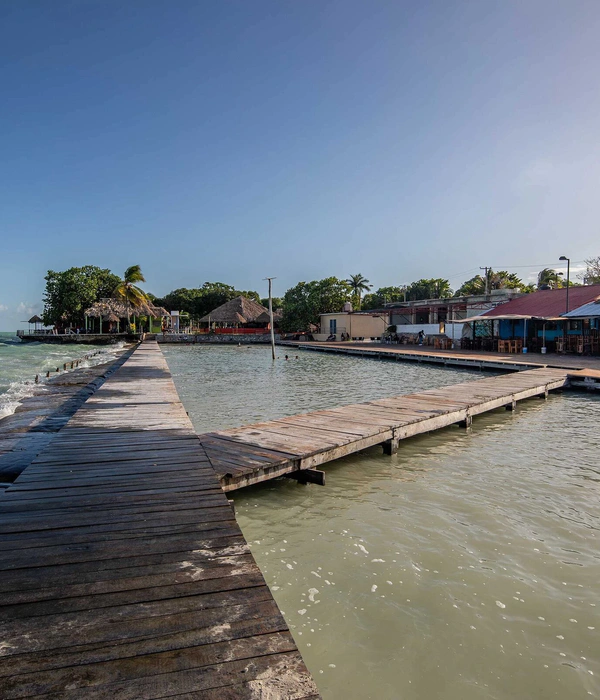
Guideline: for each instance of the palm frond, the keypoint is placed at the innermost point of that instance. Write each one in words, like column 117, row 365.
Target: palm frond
column 134, row 274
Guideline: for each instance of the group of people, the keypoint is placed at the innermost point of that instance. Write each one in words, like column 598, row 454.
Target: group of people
column 343, row 336
column 395, row 338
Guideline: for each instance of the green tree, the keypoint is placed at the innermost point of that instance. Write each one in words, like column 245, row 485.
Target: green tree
column 495, row 280
column 181, row 299
column 358, row 284
column 434, row 288
column 69, row 293
column 127, row 290
column 277, row 302
column 303, row 303
column 549, row 277
column 505, row 280
column 472, row 287
column 592, row 271
column 200, row 301
column 384, row 295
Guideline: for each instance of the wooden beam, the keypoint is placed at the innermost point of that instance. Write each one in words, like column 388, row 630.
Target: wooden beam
column 308, row 476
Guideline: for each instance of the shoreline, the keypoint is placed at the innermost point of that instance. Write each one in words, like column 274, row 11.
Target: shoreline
column 38, row 418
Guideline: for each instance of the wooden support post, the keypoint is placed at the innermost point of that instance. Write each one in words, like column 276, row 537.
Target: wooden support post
column 466, row 423
column 512, row 406
column 308, row 476
column 390, row 447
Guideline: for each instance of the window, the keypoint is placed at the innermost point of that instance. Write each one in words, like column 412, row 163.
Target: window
column 333, row 326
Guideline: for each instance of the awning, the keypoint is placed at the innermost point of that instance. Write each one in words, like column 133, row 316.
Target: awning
column 591, row 310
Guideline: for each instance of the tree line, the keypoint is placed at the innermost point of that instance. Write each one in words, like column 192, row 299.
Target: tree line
column 69, row 293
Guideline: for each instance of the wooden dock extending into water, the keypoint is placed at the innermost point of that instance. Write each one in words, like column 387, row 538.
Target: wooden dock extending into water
column 124, row 574
column 471, row 359
column 255, row 453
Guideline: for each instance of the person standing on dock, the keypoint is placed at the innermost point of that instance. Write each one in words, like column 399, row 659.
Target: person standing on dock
column 420, row 337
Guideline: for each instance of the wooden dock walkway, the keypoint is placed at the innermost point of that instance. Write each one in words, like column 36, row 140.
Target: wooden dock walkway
column 255, row 453
column 124, row 574
column 471, row 359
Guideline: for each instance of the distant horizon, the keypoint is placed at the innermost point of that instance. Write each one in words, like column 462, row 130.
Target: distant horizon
column 235, row 141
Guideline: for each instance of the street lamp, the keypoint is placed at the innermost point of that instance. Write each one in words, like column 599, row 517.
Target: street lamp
column 564, row 257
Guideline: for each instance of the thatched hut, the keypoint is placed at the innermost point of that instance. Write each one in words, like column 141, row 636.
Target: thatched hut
column 113, row 310
column 158, row 311
column 161, row 314
column 264, row 319
column 240, row 312
column 37, row 323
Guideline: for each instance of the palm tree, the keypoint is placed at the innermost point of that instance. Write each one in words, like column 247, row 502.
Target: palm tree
column 358, row 284
column 549, row 277
column 128, row 291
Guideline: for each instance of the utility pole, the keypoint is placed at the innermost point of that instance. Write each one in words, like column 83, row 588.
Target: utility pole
column 568, row 261
column 486, row 278
column 271, row 314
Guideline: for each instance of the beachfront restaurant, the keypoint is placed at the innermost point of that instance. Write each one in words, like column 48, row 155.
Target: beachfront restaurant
column 538, row 322
column 586, row 319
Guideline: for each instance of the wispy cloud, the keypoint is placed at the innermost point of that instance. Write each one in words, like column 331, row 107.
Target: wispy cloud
column 3, row 307
column 28, row 309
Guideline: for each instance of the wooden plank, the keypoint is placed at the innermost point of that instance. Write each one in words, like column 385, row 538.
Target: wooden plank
column 123, row 572
column 309, row 440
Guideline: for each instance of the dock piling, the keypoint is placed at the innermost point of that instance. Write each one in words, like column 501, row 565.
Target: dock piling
column 466, row 423
column 390, row 447
column 308, row 476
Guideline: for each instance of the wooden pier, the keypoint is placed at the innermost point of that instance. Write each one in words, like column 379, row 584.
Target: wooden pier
column 468, row 359
column 124, row 574
column 585, row 379
column 294, row 446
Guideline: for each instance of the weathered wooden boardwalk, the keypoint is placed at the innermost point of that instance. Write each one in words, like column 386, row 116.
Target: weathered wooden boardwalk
column 472, row 359
column 255, row 453
column 123, row 573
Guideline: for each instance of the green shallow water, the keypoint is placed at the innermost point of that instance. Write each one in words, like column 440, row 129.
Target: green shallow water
column 465, row 566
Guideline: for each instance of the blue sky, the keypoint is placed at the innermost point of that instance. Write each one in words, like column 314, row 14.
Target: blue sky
column 228, row 141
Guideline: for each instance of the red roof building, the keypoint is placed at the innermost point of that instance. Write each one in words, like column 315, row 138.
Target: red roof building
column 547, row 303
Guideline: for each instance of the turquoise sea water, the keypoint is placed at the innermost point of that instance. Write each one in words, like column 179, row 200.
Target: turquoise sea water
column 20, row 362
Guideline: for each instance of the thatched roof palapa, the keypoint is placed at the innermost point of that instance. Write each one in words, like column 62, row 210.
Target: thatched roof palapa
column 238, row 310
column 105, row 307
column 158, row 311
column 264, row 317
column 35, row 319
